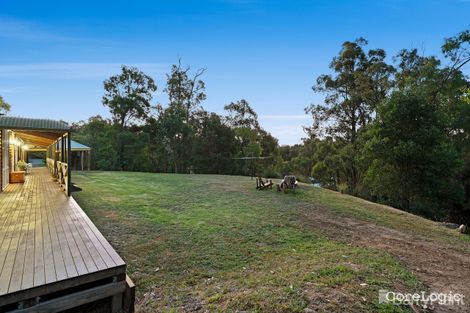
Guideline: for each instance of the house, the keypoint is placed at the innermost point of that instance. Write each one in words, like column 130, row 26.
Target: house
column 52, row 256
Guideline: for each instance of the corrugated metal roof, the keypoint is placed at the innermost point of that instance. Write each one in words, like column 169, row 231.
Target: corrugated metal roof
column 78, row 146
column 13, row 122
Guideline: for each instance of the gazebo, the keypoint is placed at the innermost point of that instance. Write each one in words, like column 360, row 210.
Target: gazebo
column 81, row 156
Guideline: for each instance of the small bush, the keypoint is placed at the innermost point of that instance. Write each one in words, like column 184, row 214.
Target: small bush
column 343, row 188
column 271, row 174
column 21, row 165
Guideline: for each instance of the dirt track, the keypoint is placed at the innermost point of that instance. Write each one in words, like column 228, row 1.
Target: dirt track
column 440, row 267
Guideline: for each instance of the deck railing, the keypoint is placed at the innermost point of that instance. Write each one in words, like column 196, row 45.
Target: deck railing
column 51, row 166
column 60, row 171
column 62, row 175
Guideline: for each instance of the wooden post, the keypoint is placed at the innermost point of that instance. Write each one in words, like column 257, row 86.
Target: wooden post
column 116, row 300
column 56, row 147
column 62, row 149
column 129, row 296
column 69, row 165
column 89, row 159
column 1, row 159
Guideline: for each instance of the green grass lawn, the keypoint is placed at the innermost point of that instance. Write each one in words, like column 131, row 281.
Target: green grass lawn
column 208, row 242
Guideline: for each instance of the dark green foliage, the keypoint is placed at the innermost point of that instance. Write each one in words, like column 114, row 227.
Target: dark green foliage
column 241, row 114
column 253, row 141
column 416, row 164
column 99, row 134
column 176, row 124
column 394, row 134
column 179, row 138
column 135, row 147
column 214, row 146
column 174, row 134
column 326, row 169
column 185, row 91
column 128, row 95
column 362, row 80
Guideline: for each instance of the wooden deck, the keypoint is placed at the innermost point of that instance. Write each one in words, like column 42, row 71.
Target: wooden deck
column 48, row 244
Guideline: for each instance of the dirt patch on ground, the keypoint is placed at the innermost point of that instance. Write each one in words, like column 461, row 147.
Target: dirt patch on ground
column 441, row 267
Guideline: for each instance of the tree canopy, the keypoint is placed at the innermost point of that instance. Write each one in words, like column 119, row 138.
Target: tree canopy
column 4, row 106
column 392, row 130
column 128, row 95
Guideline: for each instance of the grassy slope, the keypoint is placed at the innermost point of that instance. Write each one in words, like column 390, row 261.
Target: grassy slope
column 213, row 242
column 360, row 209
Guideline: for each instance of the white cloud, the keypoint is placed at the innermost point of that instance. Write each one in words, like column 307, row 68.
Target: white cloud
column 74, row 70
column 287, row 134
column 25, row 30
column 284, row 117
column 10, row 90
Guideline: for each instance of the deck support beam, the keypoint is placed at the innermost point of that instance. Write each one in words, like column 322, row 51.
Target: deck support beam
column 129, row 296
column 76, row 299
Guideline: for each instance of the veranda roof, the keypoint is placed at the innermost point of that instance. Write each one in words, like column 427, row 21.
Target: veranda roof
column 13, row 122
column 35, row 131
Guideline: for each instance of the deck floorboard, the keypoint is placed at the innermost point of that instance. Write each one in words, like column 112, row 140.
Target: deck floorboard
column 46, row 238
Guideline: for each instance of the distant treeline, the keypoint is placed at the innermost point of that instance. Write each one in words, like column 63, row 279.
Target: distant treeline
column 179, row 138
column 393, row 132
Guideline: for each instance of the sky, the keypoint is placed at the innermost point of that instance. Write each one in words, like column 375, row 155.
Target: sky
column 54, row 55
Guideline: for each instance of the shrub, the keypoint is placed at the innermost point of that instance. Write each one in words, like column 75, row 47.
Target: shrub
column 21, row 165
column 343, row 188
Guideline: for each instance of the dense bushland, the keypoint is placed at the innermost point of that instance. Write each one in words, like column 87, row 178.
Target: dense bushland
column 393, row 131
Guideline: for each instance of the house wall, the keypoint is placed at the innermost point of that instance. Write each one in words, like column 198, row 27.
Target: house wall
column 4, row 164
column 1, row 159
column 13, row 151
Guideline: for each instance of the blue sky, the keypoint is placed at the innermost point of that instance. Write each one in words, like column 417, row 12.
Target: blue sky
column 54, row 55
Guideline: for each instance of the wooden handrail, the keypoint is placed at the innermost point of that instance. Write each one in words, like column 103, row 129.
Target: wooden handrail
column 60, row 171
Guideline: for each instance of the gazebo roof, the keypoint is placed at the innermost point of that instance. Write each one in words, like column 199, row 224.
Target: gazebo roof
column 76, row 146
